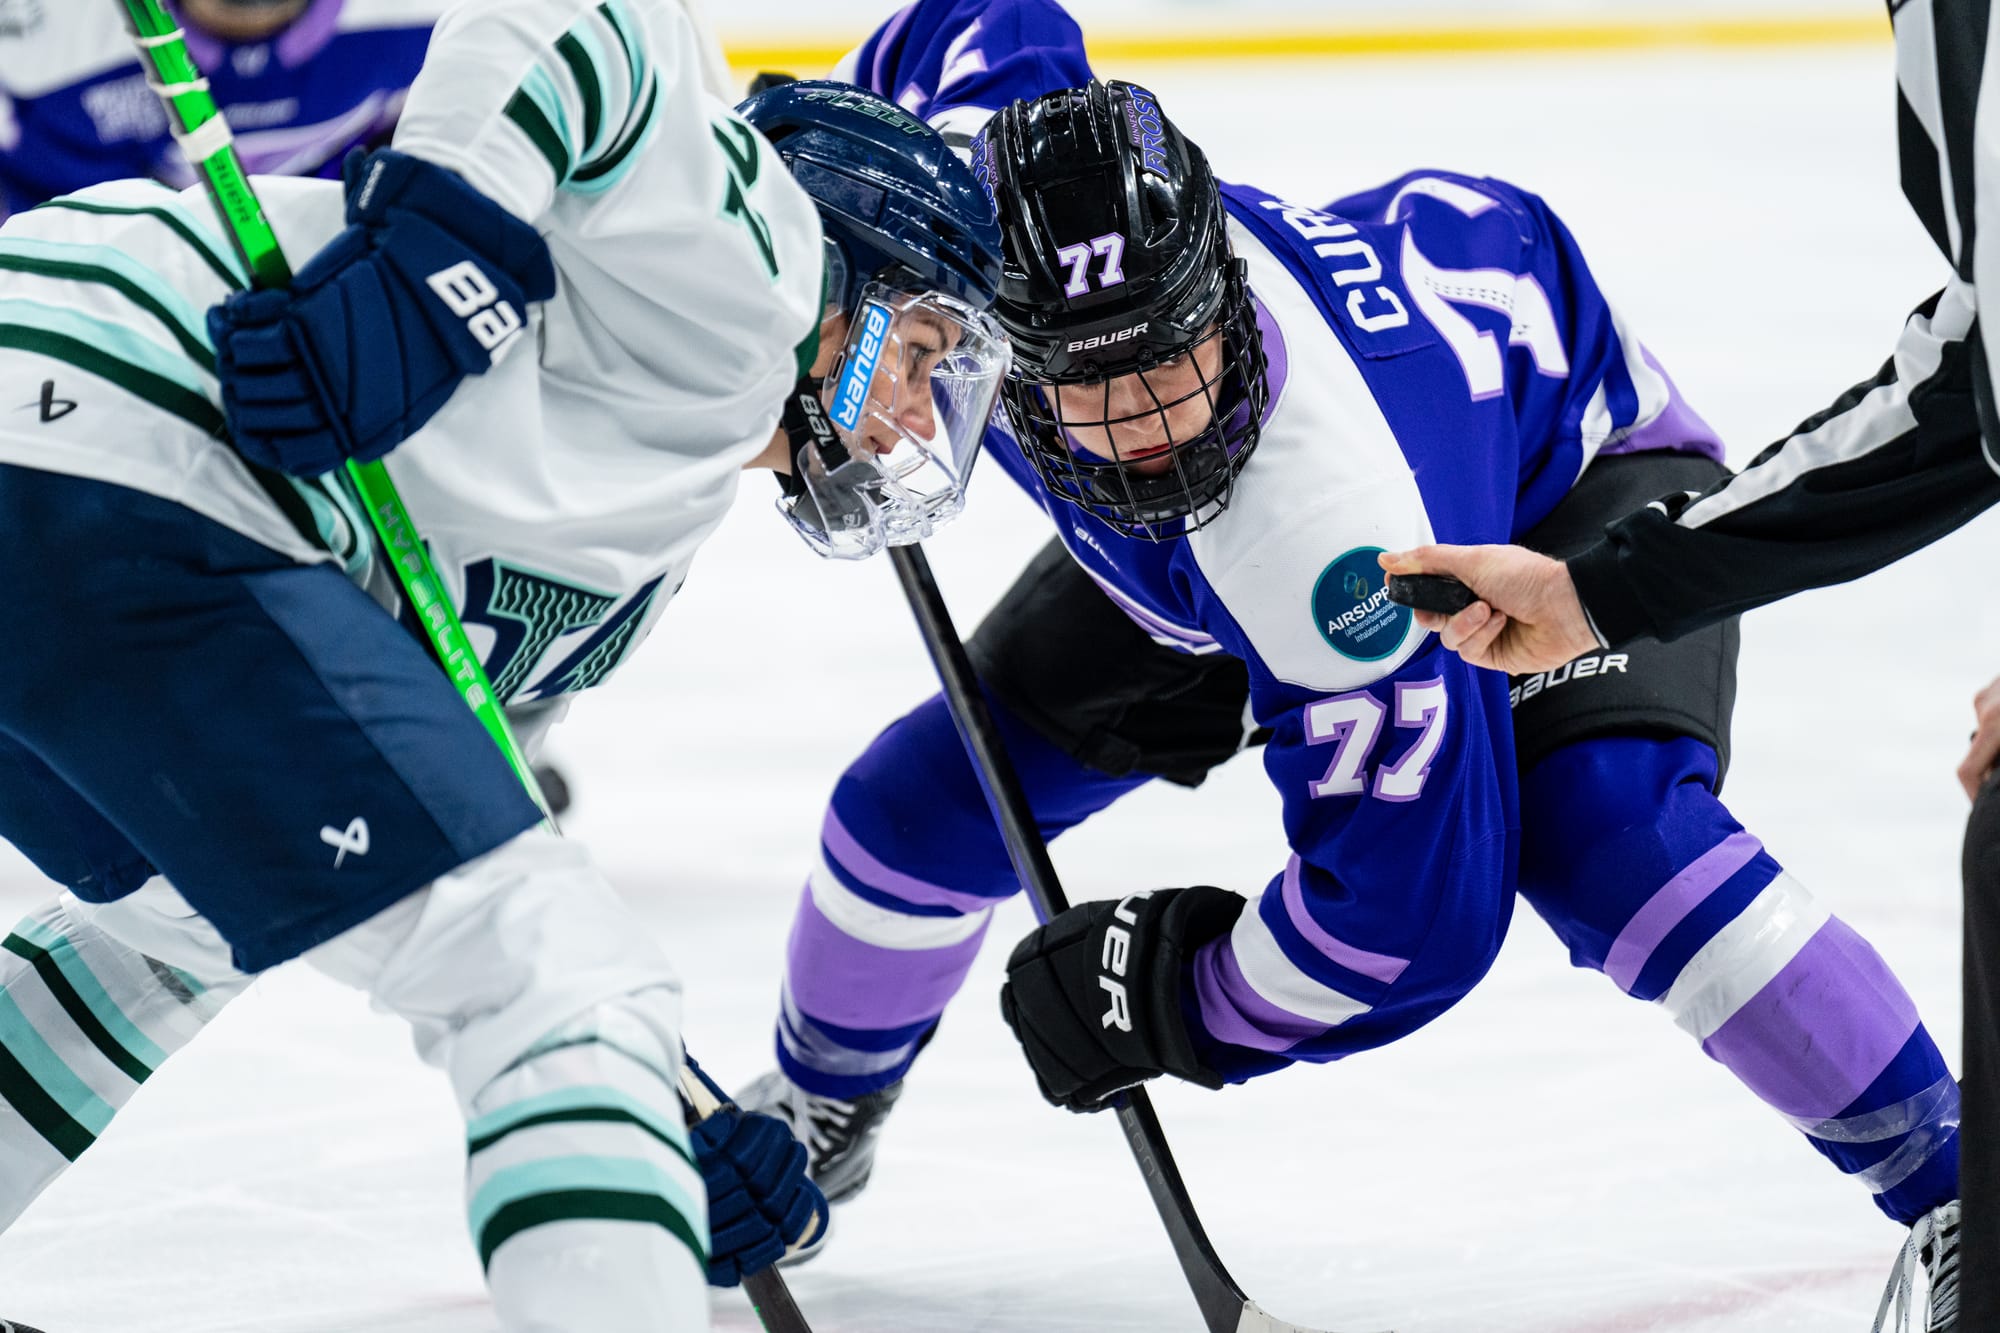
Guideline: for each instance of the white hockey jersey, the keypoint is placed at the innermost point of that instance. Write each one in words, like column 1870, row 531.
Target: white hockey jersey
column 563, row 493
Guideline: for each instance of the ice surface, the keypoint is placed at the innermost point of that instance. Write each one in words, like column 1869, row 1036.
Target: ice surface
column 1550, row 1156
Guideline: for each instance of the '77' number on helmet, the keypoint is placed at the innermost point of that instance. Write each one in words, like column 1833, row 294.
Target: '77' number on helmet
column 1111, row 246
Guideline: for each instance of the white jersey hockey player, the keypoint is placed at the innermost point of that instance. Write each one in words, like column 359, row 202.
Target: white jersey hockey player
column 230, row 754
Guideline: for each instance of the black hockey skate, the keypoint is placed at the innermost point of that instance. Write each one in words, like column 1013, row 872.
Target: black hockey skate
column 839, row 1136
column 9, row 1326
column 1933, row 1246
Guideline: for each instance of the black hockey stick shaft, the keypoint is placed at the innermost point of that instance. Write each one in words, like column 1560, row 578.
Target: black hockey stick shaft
column 1224, row 1307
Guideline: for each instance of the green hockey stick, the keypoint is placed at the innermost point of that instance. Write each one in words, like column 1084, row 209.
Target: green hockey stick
column 204, row 136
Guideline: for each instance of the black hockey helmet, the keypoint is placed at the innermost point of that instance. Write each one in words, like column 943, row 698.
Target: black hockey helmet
column 1117, row 278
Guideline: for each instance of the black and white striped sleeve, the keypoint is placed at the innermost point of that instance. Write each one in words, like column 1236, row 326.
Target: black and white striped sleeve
column 1893, row 464
column 1897, row 461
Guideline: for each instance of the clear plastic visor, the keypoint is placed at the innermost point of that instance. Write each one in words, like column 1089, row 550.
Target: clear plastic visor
column 909, row 396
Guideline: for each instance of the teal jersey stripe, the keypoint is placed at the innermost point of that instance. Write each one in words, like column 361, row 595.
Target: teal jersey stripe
column 212, row 249
column 584, row 1102
column 584, row 74
column 164, row 394
column 626, row 29
column 100, row 1020
column 106, row 267
column 114, row 338
column 587, row 1206
column 556, row 1175
column 541, row 89
column 521, row 109
column 49, row 1070
column 44, row 1115
column 604, row 172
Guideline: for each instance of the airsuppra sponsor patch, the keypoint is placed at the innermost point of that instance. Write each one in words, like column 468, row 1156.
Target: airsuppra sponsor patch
column 1352, row 610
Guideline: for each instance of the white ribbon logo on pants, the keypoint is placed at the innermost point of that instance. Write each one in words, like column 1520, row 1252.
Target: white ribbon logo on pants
column 354, row 839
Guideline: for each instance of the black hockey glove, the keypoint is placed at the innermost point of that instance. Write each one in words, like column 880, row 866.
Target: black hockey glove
column 1094, row 996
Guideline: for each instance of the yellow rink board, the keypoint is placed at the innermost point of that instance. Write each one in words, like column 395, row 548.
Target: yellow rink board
column 1114, row 46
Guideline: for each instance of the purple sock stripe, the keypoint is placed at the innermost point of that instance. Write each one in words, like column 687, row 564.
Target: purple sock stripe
column 1822, row 1030
column 842, row 981
column 1232, row 1010
column 1375, row 966
column 1670, row 906
column 857, row 862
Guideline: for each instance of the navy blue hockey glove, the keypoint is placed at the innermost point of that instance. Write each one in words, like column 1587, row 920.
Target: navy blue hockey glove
column 760, row 1199
column 1094, row 996
column 429, row 283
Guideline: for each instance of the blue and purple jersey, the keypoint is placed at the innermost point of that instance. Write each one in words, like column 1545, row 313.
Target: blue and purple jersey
column 1443, row 366
column 75, row 109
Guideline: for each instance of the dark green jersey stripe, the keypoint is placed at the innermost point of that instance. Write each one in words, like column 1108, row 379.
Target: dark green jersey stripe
column 585, row 75
column 158, row 390
column 635, row 63
column 124, row 286
column 78, row 1010
column 521, row 109
column 43, row 1113
column 599, row 1113
column 178, row 224
column 586, row 1206
column 807, row 350
column 634, row 130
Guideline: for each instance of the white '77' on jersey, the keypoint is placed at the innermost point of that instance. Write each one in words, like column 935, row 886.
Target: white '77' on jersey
column 1352, row 722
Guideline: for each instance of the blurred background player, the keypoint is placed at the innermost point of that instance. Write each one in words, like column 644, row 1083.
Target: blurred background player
column 1124, row 656
column 301, row 82
column 639, row 282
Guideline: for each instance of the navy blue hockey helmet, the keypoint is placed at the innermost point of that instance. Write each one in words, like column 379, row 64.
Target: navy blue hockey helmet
column 1118, row 278
column 891, row 194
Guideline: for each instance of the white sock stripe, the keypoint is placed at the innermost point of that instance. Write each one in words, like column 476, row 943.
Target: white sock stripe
column 1280, row 981
column 874, row 924
column 1743, row 957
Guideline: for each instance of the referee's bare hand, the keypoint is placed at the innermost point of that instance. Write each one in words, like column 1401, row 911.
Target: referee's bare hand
column 1528, row 618
column 1979, row 760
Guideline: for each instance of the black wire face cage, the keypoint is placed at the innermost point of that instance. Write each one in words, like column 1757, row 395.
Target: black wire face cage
column 1138, row 498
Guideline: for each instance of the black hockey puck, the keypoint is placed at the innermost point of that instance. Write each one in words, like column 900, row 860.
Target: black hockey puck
column 1431, row 592
column 555, row 790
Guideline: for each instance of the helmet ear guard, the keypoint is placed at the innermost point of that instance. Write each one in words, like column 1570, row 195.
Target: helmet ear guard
column 1117, row 264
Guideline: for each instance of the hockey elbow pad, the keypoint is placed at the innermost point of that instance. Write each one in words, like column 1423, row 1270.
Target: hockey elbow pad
column 1094, row 996
column 429, row 283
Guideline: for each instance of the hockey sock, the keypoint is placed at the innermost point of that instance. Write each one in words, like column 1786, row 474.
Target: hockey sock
column 84, row 1020
column 579, row 1149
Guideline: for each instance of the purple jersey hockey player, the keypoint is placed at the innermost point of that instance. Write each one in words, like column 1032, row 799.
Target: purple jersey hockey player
column 300, row 81
column 1228, row 404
